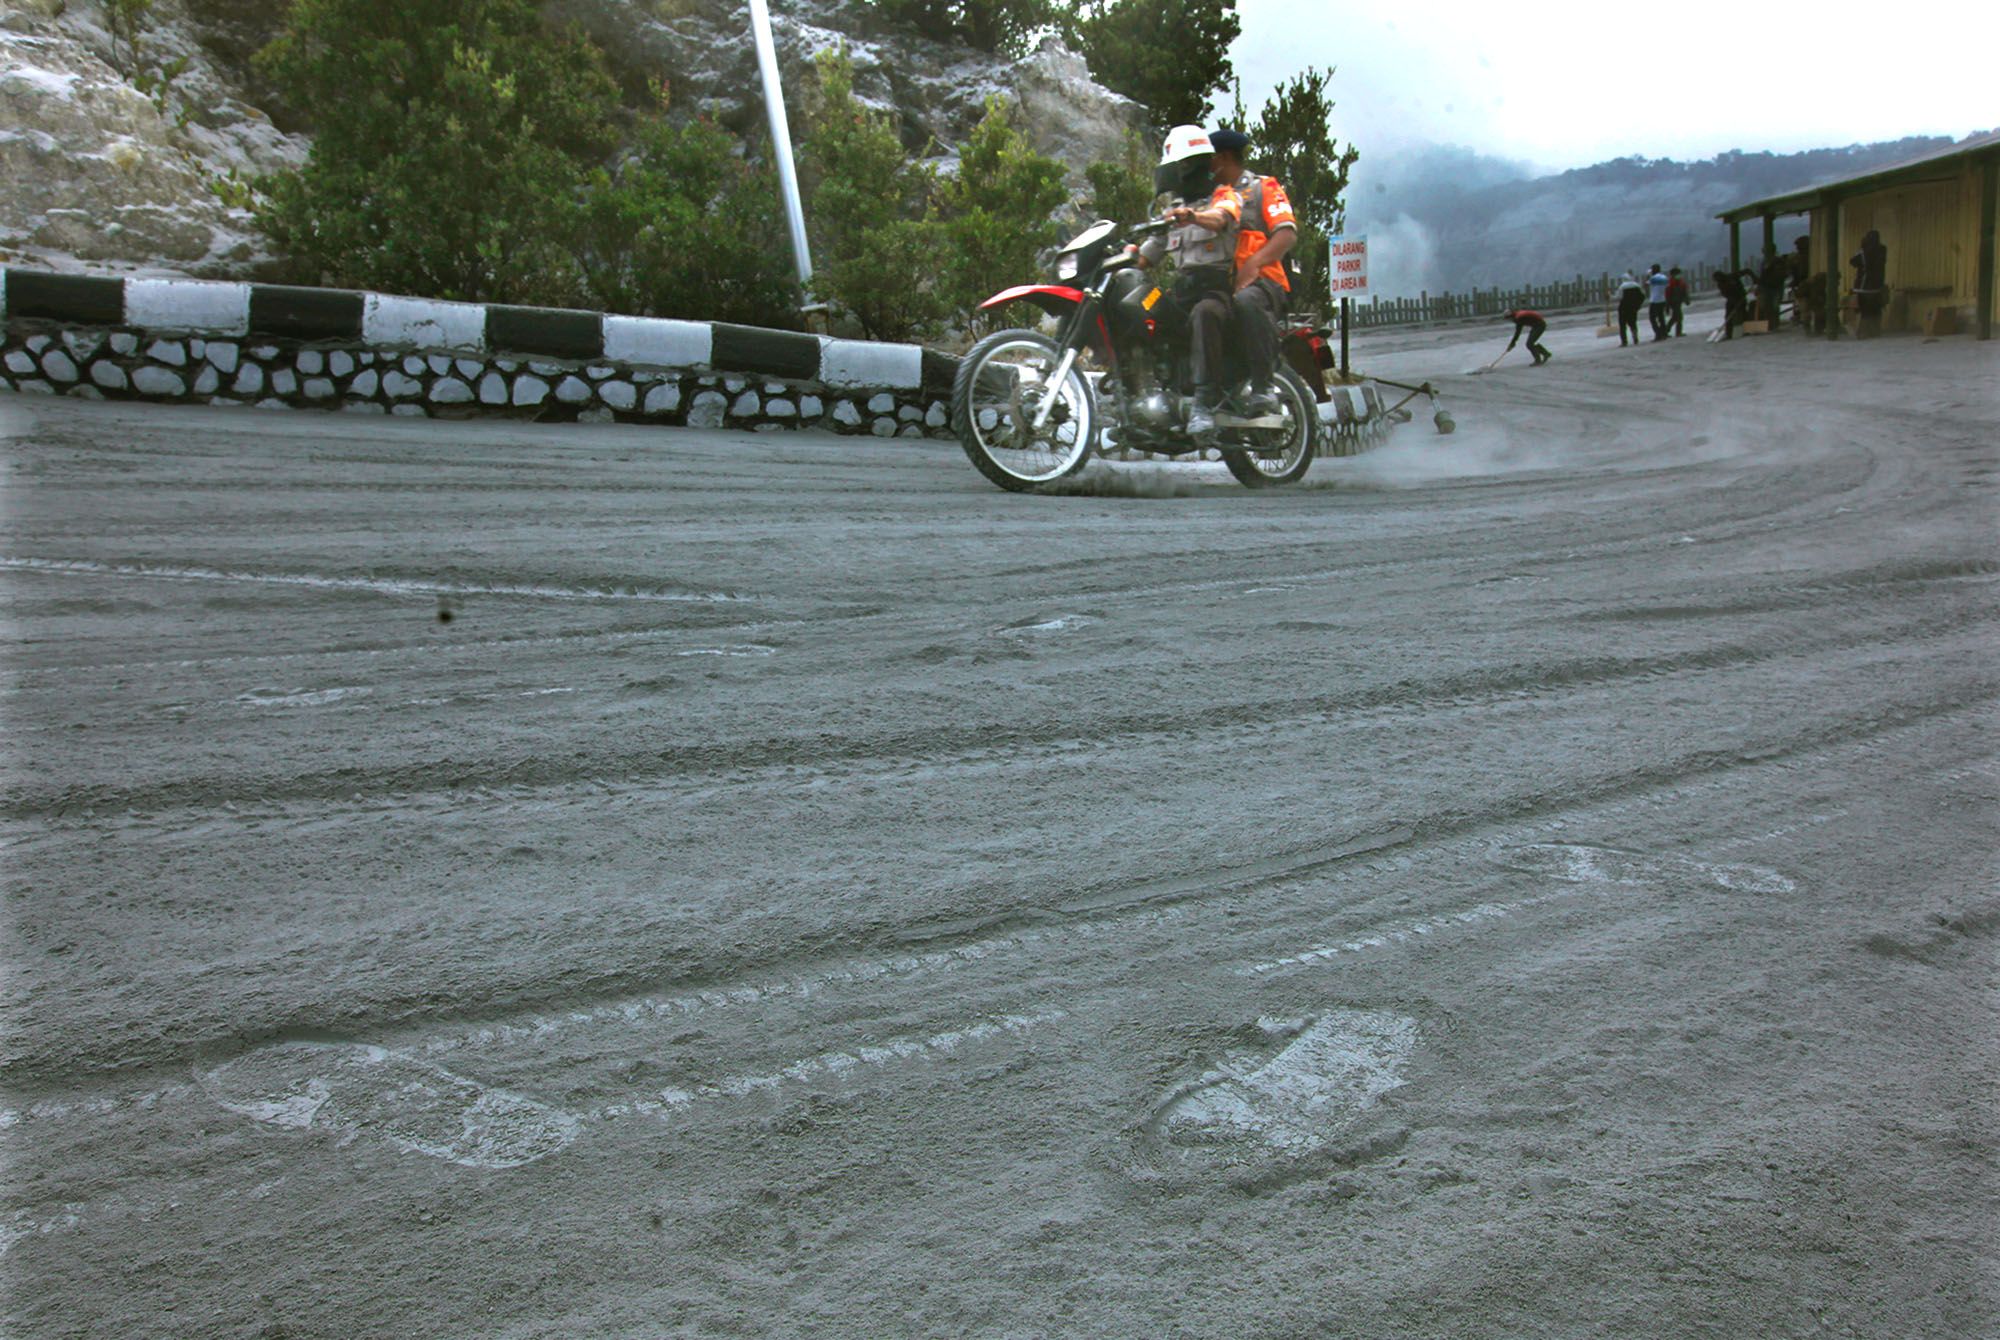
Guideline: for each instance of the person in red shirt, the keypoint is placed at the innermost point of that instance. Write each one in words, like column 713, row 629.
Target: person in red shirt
column 1534, row 323
column 1677, row 301
column 1266, row 232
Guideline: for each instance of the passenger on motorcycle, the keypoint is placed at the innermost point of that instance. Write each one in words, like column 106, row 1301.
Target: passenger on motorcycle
column 1203, row 243
column 1265, row 234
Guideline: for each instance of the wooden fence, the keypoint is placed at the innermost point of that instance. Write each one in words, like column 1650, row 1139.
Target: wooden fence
column 1583, row 291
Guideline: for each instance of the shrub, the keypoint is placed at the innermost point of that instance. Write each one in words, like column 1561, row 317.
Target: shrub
column 876, row 251
column 1003, row 26
column 1293, row 141
column 454, row 140
column 998, row 211
column 1170, row 56
column 686, row 226
column 1122, row 188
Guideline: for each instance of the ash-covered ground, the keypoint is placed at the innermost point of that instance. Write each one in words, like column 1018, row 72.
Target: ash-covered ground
column 1536, row 882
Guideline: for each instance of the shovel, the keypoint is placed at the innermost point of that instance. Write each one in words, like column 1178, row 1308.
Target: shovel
column 1480, row 372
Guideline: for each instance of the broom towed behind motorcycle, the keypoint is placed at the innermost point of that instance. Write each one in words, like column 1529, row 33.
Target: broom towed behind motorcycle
column 1030, row 410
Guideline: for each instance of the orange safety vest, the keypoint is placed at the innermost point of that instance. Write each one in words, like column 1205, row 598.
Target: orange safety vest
column 1266, row 209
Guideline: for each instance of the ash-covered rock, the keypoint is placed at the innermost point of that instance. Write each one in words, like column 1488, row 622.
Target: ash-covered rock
column 101, row 174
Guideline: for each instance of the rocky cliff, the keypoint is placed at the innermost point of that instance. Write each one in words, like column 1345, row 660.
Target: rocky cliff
column 100, row 174
column 97, row 172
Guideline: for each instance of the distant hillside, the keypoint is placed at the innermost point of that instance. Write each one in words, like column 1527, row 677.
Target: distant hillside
column 1448, row 219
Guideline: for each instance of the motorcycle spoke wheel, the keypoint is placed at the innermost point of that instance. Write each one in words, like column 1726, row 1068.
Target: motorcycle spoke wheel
column 1001, row 386
column 1277, row 455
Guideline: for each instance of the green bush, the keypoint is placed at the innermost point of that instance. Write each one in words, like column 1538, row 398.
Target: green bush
column 685, row 226
column 1169, row 56
column 998, row 212
column 1121, row 188
column 1003, row 26
column 876, row 250
column 1293, row 141
column 454, row 140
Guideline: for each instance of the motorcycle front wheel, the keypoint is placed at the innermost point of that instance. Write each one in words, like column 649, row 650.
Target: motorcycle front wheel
column 1001, row 389
column 1281, row 455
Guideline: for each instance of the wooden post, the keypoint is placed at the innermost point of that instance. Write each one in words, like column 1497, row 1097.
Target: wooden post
column 1345, row 309
column 1770, row 245
column 1735, row 245
column 1833, row 267
column 1989, row 206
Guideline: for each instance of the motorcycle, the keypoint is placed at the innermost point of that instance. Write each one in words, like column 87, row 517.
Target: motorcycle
column 1030, row 410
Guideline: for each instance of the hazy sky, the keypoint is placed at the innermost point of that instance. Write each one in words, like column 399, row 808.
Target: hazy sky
column 1565, row 83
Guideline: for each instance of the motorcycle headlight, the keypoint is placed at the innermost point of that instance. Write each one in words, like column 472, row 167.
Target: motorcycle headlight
column 1066, row 265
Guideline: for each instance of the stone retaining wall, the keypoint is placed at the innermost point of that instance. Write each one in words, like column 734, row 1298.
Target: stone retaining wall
column 291, row 348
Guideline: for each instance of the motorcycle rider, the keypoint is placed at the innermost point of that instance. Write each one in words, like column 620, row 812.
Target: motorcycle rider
column 1263, row 291
column 1203, row 241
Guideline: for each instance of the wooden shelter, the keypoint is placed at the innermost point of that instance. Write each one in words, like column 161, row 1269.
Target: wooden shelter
column 1935, row 214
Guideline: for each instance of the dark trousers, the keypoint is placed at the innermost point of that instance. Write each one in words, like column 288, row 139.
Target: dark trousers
column 1770, row 304
column 1535, row 333
column 1202, row 297
column 1628, row 316
column 1656, row 316
column 1732, row 316
column 1869, row 303
column 1258, row 307
column 1676, row 315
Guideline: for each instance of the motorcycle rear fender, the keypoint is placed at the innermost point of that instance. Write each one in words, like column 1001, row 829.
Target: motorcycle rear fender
column 1309, row 355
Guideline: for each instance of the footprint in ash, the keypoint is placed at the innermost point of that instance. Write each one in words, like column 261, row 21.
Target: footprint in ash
column 371, row 1091
column 1572, row 863
column 1315, row 1089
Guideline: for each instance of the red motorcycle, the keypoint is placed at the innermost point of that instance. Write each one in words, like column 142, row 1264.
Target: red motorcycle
column 1030, row 410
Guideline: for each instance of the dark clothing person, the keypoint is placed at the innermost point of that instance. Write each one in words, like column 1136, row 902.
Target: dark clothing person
column 1772, row 276
column 1871, row 283
column 1201, row 296
column 1534, row 323
column 1257, row 308
column 1730, row 285
column 1808, row 289
column 1631, row 297
column 1677, row 300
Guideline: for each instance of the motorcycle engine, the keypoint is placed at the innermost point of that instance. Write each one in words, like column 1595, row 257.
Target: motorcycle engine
column 1153, row 411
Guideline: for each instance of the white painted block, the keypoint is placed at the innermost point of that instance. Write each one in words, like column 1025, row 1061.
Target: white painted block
column 419, row 323
column 863, row 363
column 188, row 304
column 657, row 344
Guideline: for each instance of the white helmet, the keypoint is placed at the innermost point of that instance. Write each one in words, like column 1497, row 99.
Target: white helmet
column 1183, row 169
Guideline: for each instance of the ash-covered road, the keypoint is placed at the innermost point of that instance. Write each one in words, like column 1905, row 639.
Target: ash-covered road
column 1539, row 882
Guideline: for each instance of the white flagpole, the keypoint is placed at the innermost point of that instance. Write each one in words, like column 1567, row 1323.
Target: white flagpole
column 781, row 139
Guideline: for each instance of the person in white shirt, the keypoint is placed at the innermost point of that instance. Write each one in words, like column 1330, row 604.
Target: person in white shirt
column 1656, row 297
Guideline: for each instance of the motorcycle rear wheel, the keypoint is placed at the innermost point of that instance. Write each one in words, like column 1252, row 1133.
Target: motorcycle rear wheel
column 993, row 403
column 1258, row 470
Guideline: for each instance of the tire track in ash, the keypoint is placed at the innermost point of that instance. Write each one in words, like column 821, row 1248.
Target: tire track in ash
column 1314, row 1089
column 920, row 949
column 388, row 586
column 956, row 745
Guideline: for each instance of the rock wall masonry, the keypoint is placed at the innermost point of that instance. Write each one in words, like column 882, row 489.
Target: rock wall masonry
column 284, row 348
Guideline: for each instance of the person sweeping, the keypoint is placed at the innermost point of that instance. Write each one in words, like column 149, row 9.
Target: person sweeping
column 1534, row 323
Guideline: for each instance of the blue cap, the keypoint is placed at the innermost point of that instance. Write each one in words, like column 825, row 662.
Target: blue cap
column 1229, row 141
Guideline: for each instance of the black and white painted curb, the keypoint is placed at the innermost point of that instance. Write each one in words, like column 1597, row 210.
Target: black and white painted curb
column 224, row 343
